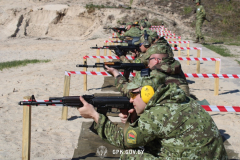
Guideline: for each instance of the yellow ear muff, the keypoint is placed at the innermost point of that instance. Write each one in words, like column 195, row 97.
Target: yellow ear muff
column 146, row 93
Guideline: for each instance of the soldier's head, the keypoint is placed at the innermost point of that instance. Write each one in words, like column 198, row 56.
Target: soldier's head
column 197, row 2
column 143, row 25
column 141, row 90
column 146, row 19
column 145, row 42
column 156, row 54
column 129, row 25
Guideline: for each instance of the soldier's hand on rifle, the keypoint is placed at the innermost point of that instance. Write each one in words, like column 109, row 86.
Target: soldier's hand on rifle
column 118, row 52
column 135, row 54
column 88, row 111
column 114, row 72
column 124, row 115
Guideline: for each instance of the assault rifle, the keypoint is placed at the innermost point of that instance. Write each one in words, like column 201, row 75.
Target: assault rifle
column 116, row 29
column 128, row 67
column 103, row 104
column 120, row 50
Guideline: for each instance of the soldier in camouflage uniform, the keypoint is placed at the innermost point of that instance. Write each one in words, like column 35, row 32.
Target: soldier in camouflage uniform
column 144, row 44
column 171, row 67
column 169, row 126
column 167, row 67
column 152, row 34
column 131, row 31
column 201, row 16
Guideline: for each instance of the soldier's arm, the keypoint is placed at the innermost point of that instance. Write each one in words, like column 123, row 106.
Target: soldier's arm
column 136, row 134
column 121, row 85
column 170, row 66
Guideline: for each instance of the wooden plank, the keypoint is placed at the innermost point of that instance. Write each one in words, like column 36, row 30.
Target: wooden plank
column 66, row 91
column 216, row 84
column 26, row 136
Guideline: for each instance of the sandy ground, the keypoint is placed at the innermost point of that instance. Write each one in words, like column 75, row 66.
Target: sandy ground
column 53, row 138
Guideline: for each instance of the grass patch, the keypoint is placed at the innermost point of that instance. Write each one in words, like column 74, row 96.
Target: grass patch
column 131, row 1
column 187, row 10
column 237, row 61
column 219, row 50
column 11, row 64
column 91, row 7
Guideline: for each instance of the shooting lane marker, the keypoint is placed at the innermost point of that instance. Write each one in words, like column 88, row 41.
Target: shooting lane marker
column 198, row 59
column 198, row 62
column 105, row 51
column 216, row 83
column 26, row 136
column 98, row 60
column 190, row 75
column 66, row 91
column 179, row 45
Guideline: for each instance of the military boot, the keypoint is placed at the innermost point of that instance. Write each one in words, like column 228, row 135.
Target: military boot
column 196, row 41
column 202, row 41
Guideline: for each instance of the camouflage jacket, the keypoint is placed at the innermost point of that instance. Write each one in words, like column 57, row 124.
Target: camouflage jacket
column 140, row 59
column 172, row 68
column 172, row 126
column 169, row 67
column 201, row 14
column 151, row 33
column 132, row 32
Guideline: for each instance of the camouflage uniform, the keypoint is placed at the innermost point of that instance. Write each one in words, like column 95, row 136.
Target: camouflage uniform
column 169, row 66
column 201, row 15
column 172, row 126
column 132, row 32
column 141, row 58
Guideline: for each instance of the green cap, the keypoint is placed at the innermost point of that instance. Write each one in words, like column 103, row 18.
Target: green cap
column 156, row 49
column 129, row 23
column 197, row 1
column 153, row 80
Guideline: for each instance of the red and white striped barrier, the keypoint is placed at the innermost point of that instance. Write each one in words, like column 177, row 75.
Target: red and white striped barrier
column 157, row 26
column 108, row 57
column 194, row 75
column 196, row 59
column 177, row 42
column 186, row 48
column 213, row 108
column 166, row 34
column 69, row 73
column 173, row 37
column 190, row 75
column 209, row 108
column 176, row 58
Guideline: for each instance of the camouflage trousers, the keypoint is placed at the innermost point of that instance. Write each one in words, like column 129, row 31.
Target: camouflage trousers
column 199, row 24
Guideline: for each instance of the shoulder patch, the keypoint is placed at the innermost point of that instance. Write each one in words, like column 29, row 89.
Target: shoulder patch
column 138, row 61
column 131, row 137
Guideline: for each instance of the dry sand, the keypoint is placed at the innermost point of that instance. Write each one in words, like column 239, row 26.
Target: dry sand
column 65, row 44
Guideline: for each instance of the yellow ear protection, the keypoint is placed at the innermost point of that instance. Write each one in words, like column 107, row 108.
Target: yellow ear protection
column 146, row 42
column 146, row 93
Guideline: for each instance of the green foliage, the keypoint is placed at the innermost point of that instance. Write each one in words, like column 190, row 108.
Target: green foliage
column 131, row 1
column 91, row 7
column 11, row 64
column 219, row 50
column 237, row 61
column 187, row 10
